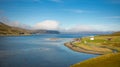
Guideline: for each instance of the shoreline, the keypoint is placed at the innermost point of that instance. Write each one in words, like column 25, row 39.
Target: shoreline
column 15, row 35
column 82, row 50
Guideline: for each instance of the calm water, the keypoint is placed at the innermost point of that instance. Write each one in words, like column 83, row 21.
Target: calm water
column 39, row 51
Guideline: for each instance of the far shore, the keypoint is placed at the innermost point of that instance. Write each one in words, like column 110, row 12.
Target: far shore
column 16, row 35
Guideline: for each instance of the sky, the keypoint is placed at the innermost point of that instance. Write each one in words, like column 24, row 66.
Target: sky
column 62, row 15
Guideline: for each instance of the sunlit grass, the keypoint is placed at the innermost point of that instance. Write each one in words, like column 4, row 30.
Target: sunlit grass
column 101, row 44
column 108, row 60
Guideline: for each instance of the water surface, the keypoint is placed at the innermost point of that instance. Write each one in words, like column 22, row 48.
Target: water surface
column 39, row 51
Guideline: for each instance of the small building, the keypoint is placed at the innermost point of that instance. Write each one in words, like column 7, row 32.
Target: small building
column 92, row 38
column 21, row 33
column 78, row 39
column 109, row 39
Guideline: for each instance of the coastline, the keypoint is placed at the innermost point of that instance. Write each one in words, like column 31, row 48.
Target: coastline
column 77, row 49
column 100, row 45
column 15, row 35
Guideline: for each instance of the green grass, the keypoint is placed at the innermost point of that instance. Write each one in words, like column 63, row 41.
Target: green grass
column 8, row 30
column 100, row 44
column 108, row 60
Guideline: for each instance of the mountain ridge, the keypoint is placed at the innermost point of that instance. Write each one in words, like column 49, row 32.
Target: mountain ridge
column 10, row 30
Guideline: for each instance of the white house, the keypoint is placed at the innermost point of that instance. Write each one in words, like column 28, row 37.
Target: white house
column 92, row 38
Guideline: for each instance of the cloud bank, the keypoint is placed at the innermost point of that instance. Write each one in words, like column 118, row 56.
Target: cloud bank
column 55, row 25
column 81, row 28
column 47, row 25
column 5, row 20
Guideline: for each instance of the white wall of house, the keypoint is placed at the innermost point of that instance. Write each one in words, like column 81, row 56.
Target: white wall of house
column 91, row 37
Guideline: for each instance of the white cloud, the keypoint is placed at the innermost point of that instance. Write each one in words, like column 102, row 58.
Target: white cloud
column 57, row 1
column 1, row 12
column 54, row 25
column 81, row 28
column 115, row 1
column 108, row 27
column 92, row 28
column 113, row 17
column 77, row 10
column 47, row 25
column 5, row 20
column 36, row 0
column 18, row 24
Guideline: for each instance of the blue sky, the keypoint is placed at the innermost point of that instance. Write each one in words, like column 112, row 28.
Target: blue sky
column 101, row 15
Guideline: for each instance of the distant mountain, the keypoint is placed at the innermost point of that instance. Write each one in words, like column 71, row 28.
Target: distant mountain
column 116, row 33
column 45, row 32
column 52, row 32
column 8, row 30
column 113, row 34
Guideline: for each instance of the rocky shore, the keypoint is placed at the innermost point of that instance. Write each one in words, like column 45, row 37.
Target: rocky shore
column 78, row 49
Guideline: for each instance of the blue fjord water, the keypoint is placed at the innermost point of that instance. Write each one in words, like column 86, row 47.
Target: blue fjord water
column 39, row 51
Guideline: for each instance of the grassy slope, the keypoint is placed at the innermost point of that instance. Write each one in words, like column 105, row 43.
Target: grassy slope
column 108, row 60
column 8, row 30
column 100, row 44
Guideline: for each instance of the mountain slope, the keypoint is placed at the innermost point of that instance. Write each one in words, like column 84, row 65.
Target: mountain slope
column 8, row 30
column 45, row 32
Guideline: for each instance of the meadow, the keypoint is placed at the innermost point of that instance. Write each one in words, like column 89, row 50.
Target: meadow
column 108, row 45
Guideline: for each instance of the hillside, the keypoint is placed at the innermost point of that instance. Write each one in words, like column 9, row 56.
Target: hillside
column 109, row 45
column 8, row 30
column 45, row 32
column 102, row 44
column 114, row 34
column 108, row 60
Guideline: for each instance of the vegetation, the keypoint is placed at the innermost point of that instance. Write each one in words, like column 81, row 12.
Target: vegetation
column 8, row 30
column 108, row 60
column 101, row 43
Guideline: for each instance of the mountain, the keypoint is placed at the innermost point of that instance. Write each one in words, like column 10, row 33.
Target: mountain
column 45, row 32
column 116, row 33
column 8, row 30
column 113, row 34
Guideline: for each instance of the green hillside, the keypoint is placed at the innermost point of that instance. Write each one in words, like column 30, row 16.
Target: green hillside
column 102, row 44
column 108, row 60
column 8, row 30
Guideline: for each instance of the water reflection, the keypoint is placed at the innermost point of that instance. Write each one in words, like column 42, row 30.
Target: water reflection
column 34, row 51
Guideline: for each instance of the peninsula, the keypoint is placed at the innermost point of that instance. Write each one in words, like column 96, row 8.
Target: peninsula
column 106, row 45
column 102, row 44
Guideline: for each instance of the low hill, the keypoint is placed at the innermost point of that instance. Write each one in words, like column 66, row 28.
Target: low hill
column 116, row 33
column 108, row 60
column 45, row 32
column 110, row 41
column 113, row 34
column 8, row 30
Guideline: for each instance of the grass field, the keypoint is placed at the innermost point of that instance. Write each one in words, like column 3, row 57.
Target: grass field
column 108, row 60
column 102, row 43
